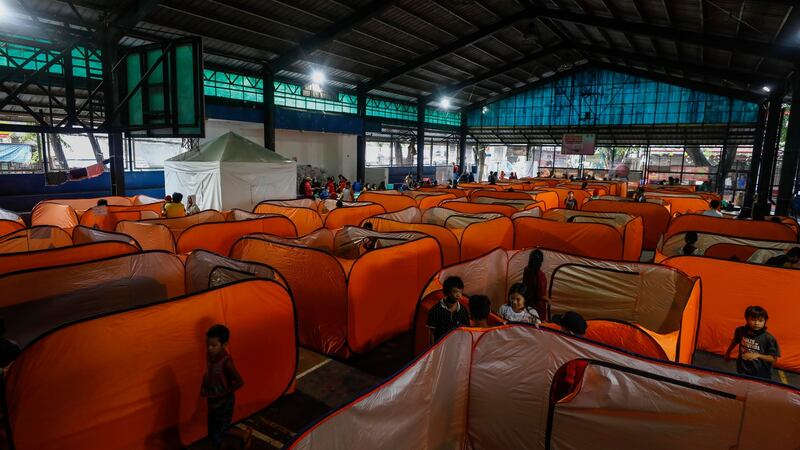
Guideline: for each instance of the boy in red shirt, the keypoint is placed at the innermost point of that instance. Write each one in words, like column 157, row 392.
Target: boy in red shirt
column 219, row 384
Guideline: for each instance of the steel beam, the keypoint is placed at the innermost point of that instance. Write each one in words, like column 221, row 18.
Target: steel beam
column 362, row 15
column 420, row 139
column 445, row 50
column 268, row 104
column 791, row 154
column 769, row 153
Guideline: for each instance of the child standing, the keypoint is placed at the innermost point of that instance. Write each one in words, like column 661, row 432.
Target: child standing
column 448, row 313
column 219, row 384
column 517, row 309
column 758, row 350
column 571, row 202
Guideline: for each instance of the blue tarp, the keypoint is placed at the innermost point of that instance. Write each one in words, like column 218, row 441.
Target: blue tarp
column 18, row 153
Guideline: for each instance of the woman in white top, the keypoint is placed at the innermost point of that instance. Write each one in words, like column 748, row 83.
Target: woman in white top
column 517, row 310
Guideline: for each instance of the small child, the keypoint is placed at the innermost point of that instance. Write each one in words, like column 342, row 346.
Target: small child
column 517, row 309
column 219, row 384
column 479, row 307
column 448, row 313
column 571, row 202
column 758, row 350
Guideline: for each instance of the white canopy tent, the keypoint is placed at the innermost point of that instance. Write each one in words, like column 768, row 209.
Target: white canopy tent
column 231, row 172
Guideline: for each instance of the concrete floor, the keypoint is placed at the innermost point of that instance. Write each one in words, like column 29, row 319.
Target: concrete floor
column 324, row 384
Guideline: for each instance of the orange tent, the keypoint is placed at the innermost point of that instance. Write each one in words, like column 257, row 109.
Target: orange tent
column 35, row 238
column 480, row 208
column 353, row 214
column 729, row 287
column 422, row 334
column 629, row 227
column 451, row 250
column 408, row 215
column 338, row 313
column 433, row 200
column 55, row 215
column 562, row 193
column 389, row 202
column 127, row 278
column 146, row 365
column 80, row 205
column 655, row 218
column 10, row 226
column 218, row 237
column 504, row 195
column 149, row 235
column 477, row 234
column 10, row 222
column 456, row 192
column 751, row 229
column 681, row 203
column 85, row 235
column 720, row 246
column 597, row 289
column 505, row 388
column 107, row 217
column 206, row 270
column 15, row 262
column 594, row 240
column 177, row 225
column 305, row 218
column 625, row 336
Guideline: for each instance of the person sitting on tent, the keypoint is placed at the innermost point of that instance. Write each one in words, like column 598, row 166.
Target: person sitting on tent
column 517, row 308
column 479, row 308
column 347, row 192
column 175, row 208
column 381, row 186
column 758, row 349
column 788, row 260
column 535, row 282
column 638, row 196
column 689, row 247
column 193, row 208
column 323, row 194
column 571, row 202
column 713, row 210
column 339, row 203
column 308, row 191
column 448, row 313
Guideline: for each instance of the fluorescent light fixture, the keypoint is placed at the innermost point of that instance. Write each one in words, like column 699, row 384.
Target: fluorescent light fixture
column 484, row 110
column 444, row 103
column 765, row 88
column 317, row 77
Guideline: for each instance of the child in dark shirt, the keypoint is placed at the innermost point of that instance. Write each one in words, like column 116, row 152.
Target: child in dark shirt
column 758, row 350
column 571, row 202
column 479, row 308
column 219, row 384
column 448, row 313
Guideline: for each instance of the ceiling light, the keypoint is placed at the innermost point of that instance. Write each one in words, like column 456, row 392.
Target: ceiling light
column 444, row 103
column 317, row 77
column 484, row 110
column 765, row 88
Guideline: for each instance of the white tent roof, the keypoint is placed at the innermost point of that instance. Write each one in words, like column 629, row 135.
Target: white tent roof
column 230, row 147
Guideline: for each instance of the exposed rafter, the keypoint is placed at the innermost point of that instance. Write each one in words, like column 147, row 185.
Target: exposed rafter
column 720, row 73
column 445, row 50
column 363, row 14
column 450, row 89
column 721, row 42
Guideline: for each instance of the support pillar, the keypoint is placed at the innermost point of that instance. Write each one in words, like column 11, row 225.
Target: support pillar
column 268, row 105
column 361, row 140
column 420, row 138
column 110, row 101
column 755, row 158
column 462, row 144
column 769, row 151
column 791, row 154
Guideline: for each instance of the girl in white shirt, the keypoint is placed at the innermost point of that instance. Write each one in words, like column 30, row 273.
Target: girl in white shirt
column 516, row 310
